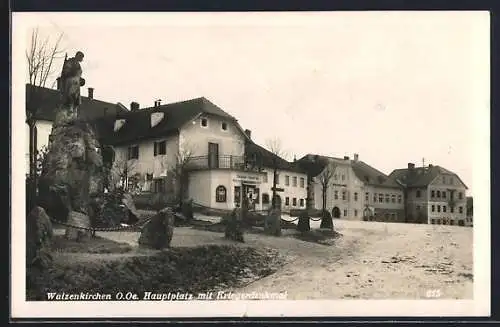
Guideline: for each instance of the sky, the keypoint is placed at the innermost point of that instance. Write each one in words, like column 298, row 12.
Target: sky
column 394, row 87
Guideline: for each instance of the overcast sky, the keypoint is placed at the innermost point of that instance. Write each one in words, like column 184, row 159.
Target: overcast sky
column 395, row 87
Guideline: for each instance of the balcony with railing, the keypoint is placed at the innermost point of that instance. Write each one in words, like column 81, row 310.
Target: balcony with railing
column 222, row 162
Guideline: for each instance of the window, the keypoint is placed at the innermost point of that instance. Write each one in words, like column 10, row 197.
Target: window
column 345, row 212
column 220, row 194
column 343, row 177
column 432, row 194
column 460, row 209
column 355, row 213
column 367, row 197
column 433, row 208
column 443, row 194
column 393, row 198
column 439, row 208
column 224, row 126
column 287, row 180
column 438, row 221
column 433, row 221
column 374, row 197
column 355, row 196
column 277, row 178
column 302, row 182
column 133, row 152
column 451, row 180
column 452, row 222
column 419, row 194
column 386, row 215
column 287, row 201
column 387, row 198
column 301, row 202
column 336, row 195
column 160, row 148
column 265, row 198
column 444, row 180
column 294, row 181
column 204, row 122
column 452, row 209
column 294, row 202
column 460, row 195
column 264, row 178
column 393, row 216
column 444, row 208
column 399, row 198
column 438, row 194
column 344, row 195
column 380, row 198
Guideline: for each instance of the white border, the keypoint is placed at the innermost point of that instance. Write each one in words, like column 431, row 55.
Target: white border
column 480, row 306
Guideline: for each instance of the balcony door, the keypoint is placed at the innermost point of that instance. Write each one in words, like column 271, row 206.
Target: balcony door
column 213, row 155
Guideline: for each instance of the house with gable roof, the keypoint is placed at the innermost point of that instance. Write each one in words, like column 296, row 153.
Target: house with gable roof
column 222, row 161
column 433, row 194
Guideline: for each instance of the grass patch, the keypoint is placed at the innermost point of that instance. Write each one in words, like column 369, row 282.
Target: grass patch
column 94, row 244
column 192, row 270
column 320, row 236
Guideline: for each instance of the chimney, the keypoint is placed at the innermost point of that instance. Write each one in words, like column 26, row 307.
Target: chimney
column 157, row 103
column 411, row 166
column 134, row 106
column 91, row 92
column 346, row 158
column 248, row 133
column 356, row 157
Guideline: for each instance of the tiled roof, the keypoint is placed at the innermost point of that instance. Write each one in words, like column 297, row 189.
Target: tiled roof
column 371, row 176
column 419, row 176
column 138, row 123
column 312, row 164
column 269, row 159
column 43, row 102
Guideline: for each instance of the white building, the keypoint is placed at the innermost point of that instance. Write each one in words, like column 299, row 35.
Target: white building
column 354, row 189
column 222, row 161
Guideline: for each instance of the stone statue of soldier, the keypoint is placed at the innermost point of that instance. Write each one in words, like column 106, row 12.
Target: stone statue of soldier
column 70, row 82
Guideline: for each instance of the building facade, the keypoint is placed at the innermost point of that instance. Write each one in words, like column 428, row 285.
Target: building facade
column 220, row 162
column 354, row 190
column 433, row 194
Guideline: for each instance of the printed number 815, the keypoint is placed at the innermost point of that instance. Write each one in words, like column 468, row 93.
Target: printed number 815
column 433, row 293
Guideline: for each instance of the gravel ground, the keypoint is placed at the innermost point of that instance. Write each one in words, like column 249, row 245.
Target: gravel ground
column 371, row 260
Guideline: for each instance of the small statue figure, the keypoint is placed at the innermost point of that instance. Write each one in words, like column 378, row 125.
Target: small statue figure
column 70, row 82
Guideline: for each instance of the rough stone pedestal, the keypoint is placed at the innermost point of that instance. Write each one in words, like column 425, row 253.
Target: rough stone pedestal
column 72, row 172
column 304, row 224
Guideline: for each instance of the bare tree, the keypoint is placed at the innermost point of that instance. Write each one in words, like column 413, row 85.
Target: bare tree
column 179, row 170
column 274, row 145
column 121, row 172
column 324, row 180
column 40, row 58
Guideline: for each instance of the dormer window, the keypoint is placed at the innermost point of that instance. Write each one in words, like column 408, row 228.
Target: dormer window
column 204, row 122
column 224, row 126
column 118, row 124
column 156, row 118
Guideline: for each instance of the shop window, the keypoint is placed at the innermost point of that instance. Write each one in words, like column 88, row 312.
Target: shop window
column 220, row 194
